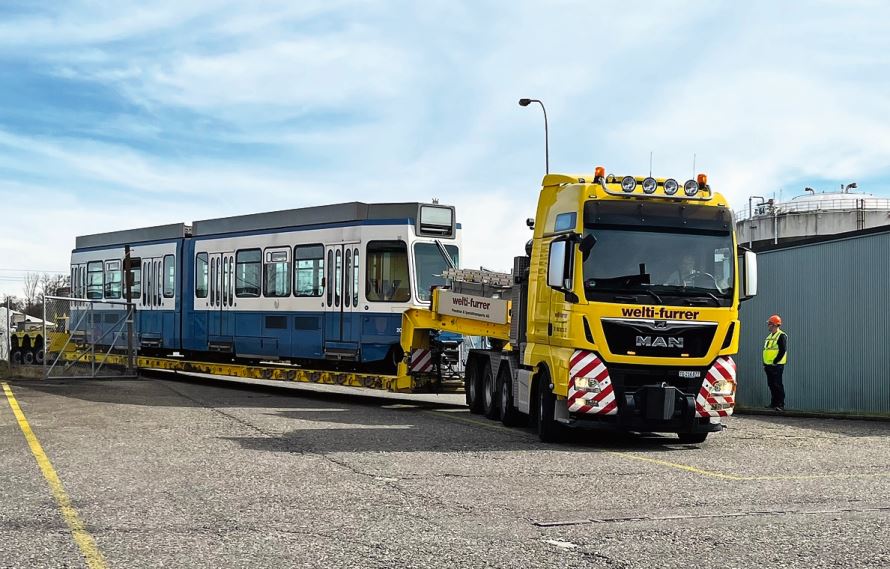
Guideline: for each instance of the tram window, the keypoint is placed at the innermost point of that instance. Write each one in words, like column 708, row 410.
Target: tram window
column 232, row 281
column 247, row 273
column 354, row 278
column 212, row 282
column 136, row 281
column 308, row 270
column 95, row 280
column 201, row 275
column 225, row 281
column 276, row 273
column 347, row 279
column 429, row 263
column 338, row 276
column 386, row 272
column 169, row 276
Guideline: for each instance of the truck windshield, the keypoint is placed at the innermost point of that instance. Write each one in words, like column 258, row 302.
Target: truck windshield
column 429, row 264
column 659, row 266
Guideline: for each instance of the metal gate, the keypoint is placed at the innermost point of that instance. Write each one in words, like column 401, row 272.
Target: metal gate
column 78, row 337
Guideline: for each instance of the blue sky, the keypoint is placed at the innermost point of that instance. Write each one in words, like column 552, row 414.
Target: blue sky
column 123, row 114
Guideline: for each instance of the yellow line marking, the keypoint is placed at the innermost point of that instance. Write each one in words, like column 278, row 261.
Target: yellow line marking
column 82, row 537
column 678, row 466
column 675, row 465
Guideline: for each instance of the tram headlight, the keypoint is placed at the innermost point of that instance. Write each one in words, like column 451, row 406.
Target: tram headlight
column 649, row 185
column 628, row 183
column 671, row 186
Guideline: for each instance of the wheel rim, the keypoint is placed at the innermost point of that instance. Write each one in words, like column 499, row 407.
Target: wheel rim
column 504, row 397
column 486, row 387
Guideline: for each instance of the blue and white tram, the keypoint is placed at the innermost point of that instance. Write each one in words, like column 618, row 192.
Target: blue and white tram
column 325, row 283
column 97, row 274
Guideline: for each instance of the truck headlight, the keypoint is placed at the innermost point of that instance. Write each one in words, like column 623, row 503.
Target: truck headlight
column 628, row 183
column 649, row 185
column 671, row 186
column 690, row 188
column 723, row 388
column 587, row 384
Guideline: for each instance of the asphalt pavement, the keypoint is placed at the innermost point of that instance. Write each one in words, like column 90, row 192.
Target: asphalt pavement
column 200, row 473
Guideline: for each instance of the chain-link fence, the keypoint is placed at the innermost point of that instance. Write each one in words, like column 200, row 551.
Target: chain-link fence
column 77, row 338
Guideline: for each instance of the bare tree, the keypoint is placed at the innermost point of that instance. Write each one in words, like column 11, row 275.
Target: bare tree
column 32, row 284
column 51, row 285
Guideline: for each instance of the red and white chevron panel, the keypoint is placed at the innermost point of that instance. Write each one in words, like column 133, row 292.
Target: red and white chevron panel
column 709, row 405
column 421, row 361
column 589, row 365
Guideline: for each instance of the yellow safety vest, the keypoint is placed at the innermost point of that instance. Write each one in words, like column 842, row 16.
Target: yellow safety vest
column 771, row 348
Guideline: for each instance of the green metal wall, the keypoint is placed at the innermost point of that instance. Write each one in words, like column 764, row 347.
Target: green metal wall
column 834, row 299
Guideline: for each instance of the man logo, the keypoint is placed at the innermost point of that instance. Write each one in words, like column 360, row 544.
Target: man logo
column 659, row 342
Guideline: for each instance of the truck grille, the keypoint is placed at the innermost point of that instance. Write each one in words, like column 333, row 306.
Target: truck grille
column 658, row 338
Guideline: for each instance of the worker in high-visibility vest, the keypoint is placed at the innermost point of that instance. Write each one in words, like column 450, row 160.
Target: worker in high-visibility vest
column 775, row 355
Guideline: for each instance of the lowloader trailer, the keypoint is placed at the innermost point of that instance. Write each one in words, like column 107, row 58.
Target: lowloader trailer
column 622, row 315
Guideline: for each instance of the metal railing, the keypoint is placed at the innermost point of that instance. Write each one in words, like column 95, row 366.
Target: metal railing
column 812, row 206
column 80, row 334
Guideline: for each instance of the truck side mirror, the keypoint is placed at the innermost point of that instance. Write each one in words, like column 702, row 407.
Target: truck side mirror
column 560, row 268
column 747, row 274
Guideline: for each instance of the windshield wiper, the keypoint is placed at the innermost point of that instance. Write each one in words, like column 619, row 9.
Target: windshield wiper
column 444, row 252
column 655, row 296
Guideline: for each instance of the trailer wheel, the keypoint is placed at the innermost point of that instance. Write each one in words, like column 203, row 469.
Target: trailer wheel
column 549, row 431
column 28, row 358
column 39, row 356
column 490, row 402
column 17, row 357
column 692, row 438
column 510, row 417
column 472, row 386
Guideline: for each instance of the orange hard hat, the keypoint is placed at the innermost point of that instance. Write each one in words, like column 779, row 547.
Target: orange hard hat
column 775, row 319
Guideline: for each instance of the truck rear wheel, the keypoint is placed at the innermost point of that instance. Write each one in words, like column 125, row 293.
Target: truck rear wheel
column 692, row 438
column 28, row 358
column 17, row 357
column 472, row 386
column 39, row 356
column 549, row 431
column 490, row 400
column 510, row 417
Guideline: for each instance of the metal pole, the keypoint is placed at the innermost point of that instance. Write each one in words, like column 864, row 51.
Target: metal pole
column 8, row 339
column 527, row 102
column 546, row 140
column 43, row 363
column 128, row 281
column 92, row 344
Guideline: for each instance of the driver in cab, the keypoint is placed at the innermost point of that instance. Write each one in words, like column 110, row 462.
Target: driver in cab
column 686, row 272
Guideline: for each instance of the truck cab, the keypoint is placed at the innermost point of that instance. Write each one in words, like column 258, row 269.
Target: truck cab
column 634, row 287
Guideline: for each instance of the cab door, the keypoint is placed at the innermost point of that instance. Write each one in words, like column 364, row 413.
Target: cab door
column 341, row 316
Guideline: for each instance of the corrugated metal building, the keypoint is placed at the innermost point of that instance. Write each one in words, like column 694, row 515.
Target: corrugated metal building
column 834, row 298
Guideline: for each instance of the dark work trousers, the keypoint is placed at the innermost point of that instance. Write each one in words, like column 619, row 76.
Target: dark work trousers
column 774, row 380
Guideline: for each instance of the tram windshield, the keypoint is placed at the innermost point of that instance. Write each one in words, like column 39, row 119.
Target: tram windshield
column 430, row 263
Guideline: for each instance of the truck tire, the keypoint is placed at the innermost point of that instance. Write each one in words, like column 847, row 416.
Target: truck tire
column 692, row 438
column 39, row 356
column 510, row 416
column 472, row 386
column 549, row 431
column 490, row 400
column 28, row 357
column 17, row 357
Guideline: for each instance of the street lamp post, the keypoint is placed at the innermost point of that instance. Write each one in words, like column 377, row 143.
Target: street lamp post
column 750, row 217
column 525, row 103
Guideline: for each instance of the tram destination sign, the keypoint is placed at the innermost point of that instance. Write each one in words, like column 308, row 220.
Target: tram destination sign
column 476, row 307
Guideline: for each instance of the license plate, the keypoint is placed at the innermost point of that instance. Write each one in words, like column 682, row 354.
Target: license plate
column 690, row 374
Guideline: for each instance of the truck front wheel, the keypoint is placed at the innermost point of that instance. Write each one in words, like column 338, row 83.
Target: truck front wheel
column 549, row 431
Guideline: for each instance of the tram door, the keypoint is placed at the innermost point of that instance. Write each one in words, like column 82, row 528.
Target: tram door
column 341, row 314
column 220, row 325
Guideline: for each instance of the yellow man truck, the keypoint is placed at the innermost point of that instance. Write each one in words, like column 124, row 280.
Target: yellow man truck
column 623, row 314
